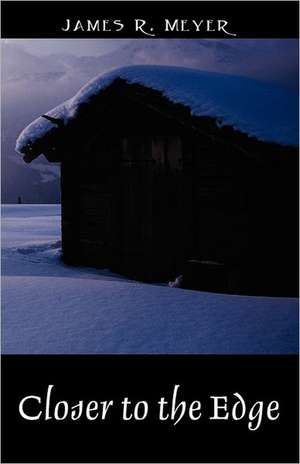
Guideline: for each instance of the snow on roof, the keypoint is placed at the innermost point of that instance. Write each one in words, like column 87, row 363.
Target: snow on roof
column 259, row 109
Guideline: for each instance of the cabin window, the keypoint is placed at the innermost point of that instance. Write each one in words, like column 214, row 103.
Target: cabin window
column 135, row 149
column 164, row 151
column 167, row 151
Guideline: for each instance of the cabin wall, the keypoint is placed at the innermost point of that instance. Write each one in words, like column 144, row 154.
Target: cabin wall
column 146, row 205
column 143, row 205
column 127, row 213
column 89, row 210
column 219, row 196
column 135, row 208
column 69, row 207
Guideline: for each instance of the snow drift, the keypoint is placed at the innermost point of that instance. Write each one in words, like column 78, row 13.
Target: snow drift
column 48, row 307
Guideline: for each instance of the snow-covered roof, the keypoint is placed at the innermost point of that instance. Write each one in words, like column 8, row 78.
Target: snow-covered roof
column 259, row 109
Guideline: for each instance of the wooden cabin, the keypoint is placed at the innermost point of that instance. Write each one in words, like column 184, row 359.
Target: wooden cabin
column 151, row 191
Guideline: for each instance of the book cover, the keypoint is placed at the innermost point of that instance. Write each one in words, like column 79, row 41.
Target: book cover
column 150, row 231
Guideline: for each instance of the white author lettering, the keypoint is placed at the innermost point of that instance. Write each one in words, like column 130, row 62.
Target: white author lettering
column 144, row 28
column 199, row 25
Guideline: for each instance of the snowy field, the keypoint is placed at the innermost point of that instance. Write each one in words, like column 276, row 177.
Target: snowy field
column 48, row 307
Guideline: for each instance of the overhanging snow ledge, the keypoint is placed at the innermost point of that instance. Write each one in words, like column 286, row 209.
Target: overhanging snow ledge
column 264, row 111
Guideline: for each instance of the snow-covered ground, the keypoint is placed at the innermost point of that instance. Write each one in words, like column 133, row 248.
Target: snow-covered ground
column 48, row 307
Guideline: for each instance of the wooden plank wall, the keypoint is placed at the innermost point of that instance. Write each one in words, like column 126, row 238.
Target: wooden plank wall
column 145, row 205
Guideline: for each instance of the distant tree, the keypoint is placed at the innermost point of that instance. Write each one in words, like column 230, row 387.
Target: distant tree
column 19, row 200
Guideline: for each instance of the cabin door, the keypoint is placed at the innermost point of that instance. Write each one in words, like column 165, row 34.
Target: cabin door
column 151, row 207
column 168, row 211
column 135, row 208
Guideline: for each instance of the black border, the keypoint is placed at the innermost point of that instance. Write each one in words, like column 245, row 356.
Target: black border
column 248, row 19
